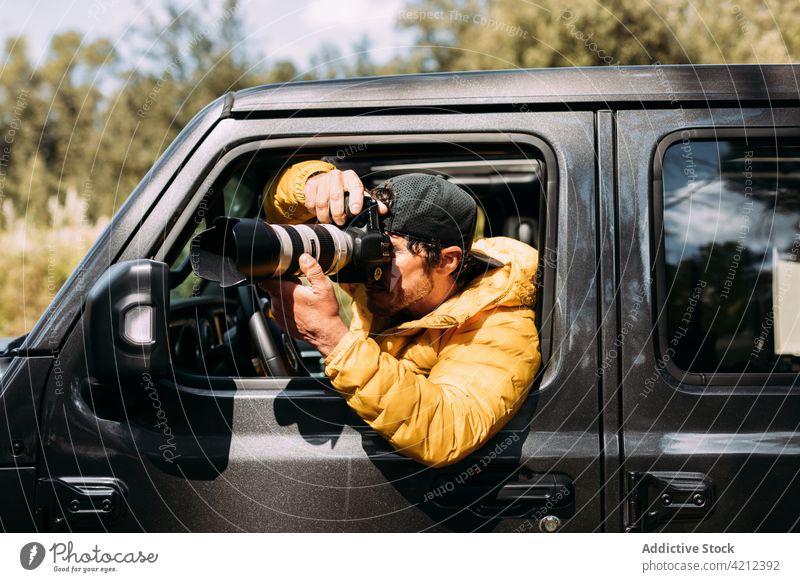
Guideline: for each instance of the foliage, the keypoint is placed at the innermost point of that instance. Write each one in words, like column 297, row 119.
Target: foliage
column 472, row 34
column 81, row 128
column 38, row 257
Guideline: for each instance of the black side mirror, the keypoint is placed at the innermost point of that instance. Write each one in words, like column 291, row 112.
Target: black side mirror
column 125, row 319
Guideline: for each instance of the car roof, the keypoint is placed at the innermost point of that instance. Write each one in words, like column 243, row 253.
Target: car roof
column 579, row 87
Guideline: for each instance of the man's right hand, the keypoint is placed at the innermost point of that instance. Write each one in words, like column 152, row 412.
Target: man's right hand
column 324, row 195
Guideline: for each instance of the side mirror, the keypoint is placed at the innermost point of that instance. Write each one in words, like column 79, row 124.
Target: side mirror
column 125, row 320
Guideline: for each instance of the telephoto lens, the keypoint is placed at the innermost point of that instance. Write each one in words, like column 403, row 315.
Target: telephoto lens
column 236, row 250
column 239, row 250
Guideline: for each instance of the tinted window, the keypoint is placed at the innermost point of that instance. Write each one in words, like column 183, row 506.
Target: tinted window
column 732, row 248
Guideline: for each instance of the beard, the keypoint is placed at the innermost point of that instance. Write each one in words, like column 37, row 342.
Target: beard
column 388, row 302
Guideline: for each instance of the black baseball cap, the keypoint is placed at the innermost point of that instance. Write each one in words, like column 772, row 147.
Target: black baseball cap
column 429, row 208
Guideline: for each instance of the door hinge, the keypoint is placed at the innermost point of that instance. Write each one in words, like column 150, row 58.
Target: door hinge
column 660, row 497
column 79, row 502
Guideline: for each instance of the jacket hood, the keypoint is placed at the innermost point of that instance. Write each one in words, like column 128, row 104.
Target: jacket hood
column 512, row 285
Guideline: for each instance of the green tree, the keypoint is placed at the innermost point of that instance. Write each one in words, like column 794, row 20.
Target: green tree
column 328, row 62
column 51, row 116
column 190, row 61
column 491, row 34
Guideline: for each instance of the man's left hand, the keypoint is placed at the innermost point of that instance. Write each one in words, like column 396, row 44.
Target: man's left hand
column 310, row 313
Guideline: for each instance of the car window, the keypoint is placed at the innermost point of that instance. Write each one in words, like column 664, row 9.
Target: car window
column 191, row 285
column 241, row 197
column 508, row 182
column 731, row 233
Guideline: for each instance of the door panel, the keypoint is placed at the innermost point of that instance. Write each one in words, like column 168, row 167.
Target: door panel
column 734, row 431
column 288, row 455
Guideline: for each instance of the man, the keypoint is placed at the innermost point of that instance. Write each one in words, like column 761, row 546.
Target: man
column 436, row 358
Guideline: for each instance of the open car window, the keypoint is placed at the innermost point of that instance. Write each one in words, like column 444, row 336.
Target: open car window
column 207, row 336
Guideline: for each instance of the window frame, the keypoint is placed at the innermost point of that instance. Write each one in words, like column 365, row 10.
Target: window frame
column 658, row 247
column 548, row 210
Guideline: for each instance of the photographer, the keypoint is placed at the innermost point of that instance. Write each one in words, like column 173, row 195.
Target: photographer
column 442, row 350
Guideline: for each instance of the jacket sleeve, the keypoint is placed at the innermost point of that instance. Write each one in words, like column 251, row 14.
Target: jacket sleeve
column 284, row 196
column 484, row 372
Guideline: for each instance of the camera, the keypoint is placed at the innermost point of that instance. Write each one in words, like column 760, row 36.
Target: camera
column 241, row 250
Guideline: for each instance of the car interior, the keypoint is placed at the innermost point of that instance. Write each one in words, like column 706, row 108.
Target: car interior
column 210, row 330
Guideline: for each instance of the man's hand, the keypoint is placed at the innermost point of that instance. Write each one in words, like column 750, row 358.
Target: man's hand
column 309, row 313
column 324, row 195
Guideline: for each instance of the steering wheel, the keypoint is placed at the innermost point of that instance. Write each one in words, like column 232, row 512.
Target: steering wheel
column 275, row 348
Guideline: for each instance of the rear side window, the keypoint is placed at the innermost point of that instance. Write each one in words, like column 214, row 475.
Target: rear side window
column 731, row 248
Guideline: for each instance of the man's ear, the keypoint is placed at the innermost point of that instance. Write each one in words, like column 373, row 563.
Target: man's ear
column 450, row 258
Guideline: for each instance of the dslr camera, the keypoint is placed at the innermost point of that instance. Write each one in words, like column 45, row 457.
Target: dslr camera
column 241, row 250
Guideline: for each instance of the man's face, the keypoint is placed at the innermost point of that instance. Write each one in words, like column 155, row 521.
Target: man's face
column 404, row 285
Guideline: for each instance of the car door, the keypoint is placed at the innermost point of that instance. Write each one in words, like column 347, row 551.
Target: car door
column 708, row 214
column 215, row 453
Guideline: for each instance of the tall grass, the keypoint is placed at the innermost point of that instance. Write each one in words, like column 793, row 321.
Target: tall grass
column 36, row 258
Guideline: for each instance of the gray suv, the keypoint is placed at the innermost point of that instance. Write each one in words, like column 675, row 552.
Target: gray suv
column 665, row 204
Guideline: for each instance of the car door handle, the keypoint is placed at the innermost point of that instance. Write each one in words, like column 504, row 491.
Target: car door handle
column 537, row 493
column 492, row 494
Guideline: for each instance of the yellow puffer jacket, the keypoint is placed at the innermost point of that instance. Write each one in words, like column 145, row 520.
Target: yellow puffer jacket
column 439, row 387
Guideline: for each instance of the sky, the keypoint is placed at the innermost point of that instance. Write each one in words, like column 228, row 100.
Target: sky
column 278, row 29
